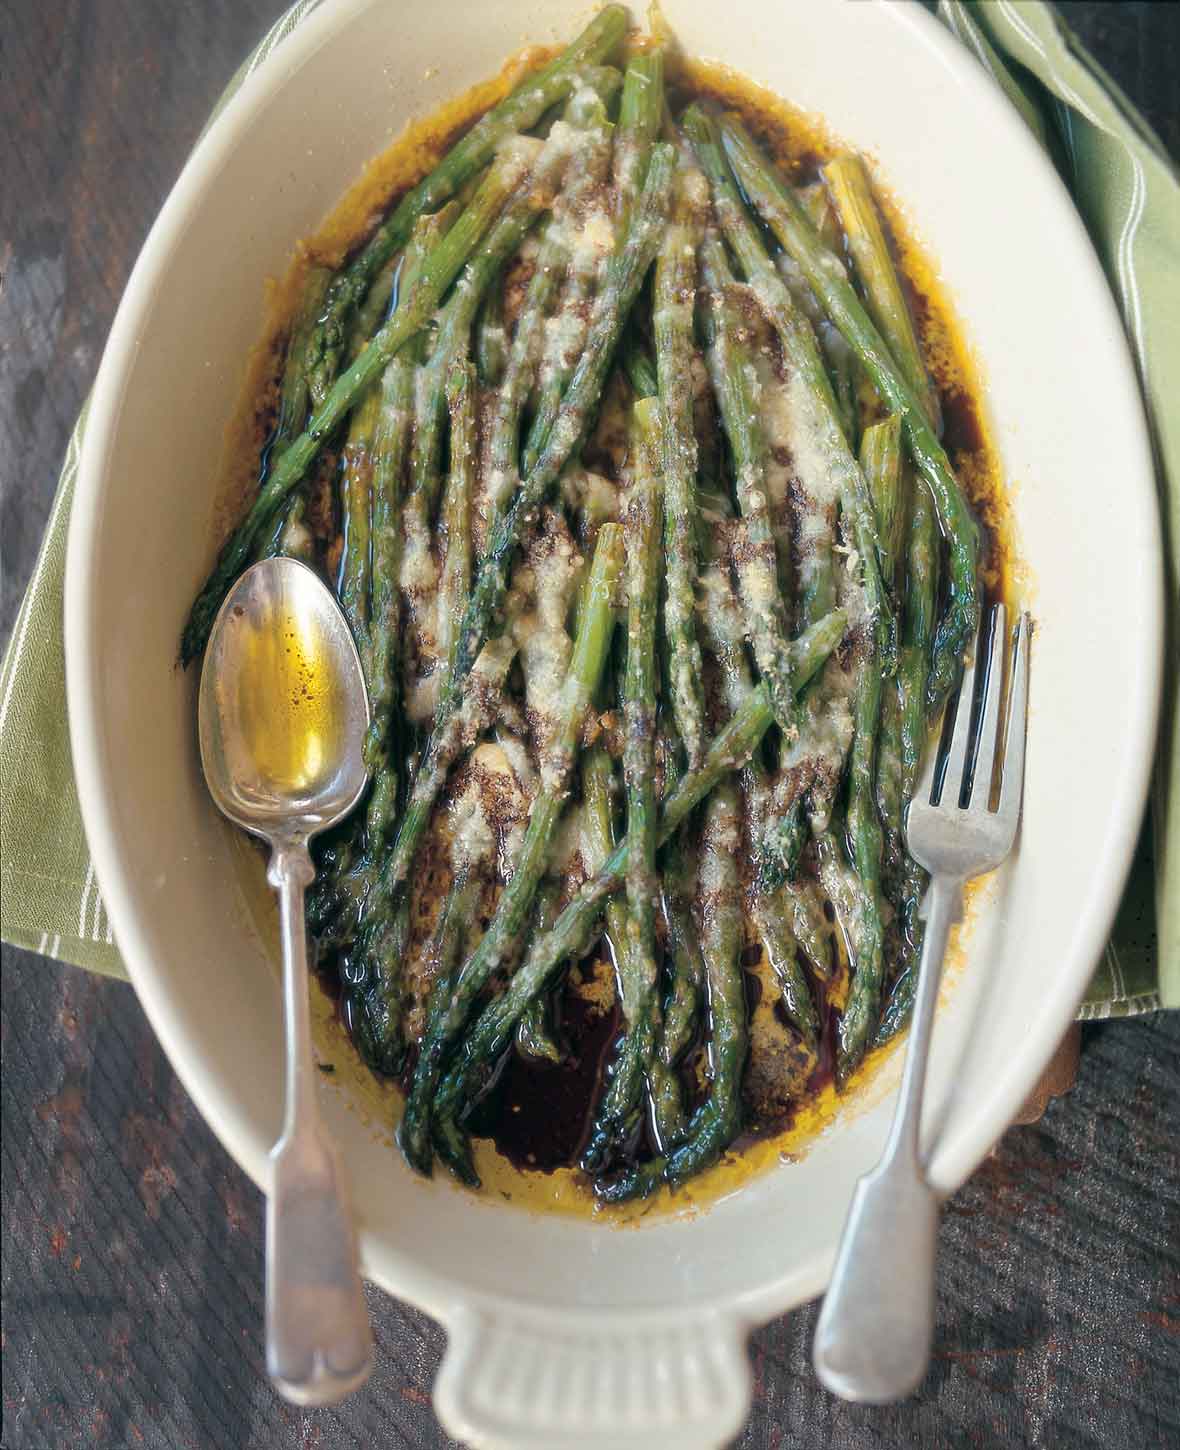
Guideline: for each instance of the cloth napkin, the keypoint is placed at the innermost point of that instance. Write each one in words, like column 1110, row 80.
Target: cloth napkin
column 1129, row 195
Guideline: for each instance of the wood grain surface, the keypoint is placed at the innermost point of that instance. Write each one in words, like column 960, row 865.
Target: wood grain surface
column 132, row 1246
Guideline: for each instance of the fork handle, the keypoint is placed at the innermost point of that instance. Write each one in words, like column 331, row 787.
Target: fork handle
column 872, row 1343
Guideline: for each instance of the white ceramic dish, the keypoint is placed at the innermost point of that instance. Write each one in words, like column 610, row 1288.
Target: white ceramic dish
column 566, row 1332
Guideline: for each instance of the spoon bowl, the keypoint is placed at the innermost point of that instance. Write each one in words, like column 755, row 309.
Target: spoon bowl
column 283, row 709
column 282, row 716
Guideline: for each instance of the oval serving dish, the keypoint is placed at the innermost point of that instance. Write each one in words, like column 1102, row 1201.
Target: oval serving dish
column 568, row 1331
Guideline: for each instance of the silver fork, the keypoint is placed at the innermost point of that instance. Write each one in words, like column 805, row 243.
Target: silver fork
column 872, row 1343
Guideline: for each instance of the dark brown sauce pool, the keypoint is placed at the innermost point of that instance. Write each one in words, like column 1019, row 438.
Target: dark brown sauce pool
column 538, row 1114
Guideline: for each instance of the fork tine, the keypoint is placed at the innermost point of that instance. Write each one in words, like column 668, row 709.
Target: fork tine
column 993, row 690
column 924, row 790
column 1012, row 779
column 956, row 756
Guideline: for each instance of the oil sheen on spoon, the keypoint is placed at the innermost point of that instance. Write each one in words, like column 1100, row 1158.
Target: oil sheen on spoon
column 288, row 698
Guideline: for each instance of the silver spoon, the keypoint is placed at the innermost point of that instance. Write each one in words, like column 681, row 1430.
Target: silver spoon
column 282, row 718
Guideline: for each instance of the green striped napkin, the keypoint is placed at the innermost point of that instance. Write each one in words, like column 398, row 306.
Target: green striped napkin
column 1129, row 196
column 1128, row 193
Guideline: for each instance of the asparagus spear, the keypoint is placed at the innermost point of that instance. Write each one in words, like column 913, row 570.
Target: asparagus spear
column 333, row 905
column 449, row 1009
column 880, row 459
column 294, row 393
column 782, row 846
column 372, row 312
column 842, row 370
column 573, row 932
column 667, row 1107
column 672, row 319
column 384, row 459
column 639, row 124
column 880, row 456
column 717, row 1123
column 628, row 268
column 889, row 767
column 917, row 629
column 373, row 975
column 357, row 462
column 637, row 963
column 418, row 576
column 733, row 745
column 598, row 84
column 783, row 840
column 439, row 269
column 456, row 511
column 687, row 972
column 356, row 469
column 472, row 863
column 587, row 112
column 781, row 843
column 841, row 363
column 668, row 1117
column 390, row 447
column 457, row 316
column 917, row 623
column 626, row 274
column 828, row 279
column 769, row 911
column 899, row 1005
column 536, row 1037
column 848, row 184
column 535, row 1034
column 864, row 829
column 881, row 451
column 598, row 814
column 516, row 113
column 644, row 528
column 812, row 766
column 813, row 399
column 881, row 462
column 640, row 114
column 491, row 339
column 804, row 905
column 815, row 201
column 289, row 535
column 506, row 236
column 826, row 745
column 757, row 569
column 903, row 711
column 598, row 843
column 810, row 771
column 446, row 942
column 841, row 886
column 454, row 327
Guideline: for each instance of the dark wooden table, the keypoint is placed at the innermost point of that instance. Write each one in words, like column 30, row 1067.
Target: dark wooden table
column 132, row 1245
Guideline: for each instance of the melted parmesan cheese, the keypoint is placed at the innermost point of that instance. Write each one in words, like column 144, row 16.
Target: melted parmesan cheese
column 551, row 572
column 473, row 840
column 791, row 419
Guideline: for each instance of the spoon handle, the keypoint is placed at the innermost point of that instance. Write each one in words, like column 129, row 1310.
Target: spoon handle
column 319, row 1345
